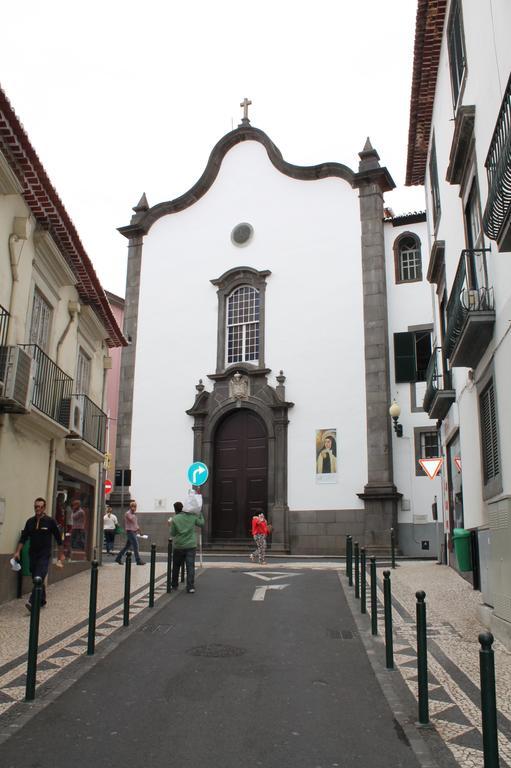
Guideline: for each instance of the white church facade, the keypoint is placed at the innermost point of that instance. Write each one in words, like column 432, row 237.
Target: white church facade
column 262, row 308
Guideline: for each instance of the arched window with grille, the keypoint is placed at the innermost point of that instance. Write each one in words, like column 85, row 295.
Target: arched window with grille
column 242, row 332
column 408, row 260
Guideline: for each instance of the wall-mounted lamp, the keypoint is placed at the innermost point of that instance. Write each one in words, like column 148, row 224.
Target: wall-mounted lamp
column 395, row 412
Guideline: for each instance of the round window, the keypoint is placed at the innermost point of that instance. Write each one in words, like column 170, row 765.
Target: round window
column 242, row 233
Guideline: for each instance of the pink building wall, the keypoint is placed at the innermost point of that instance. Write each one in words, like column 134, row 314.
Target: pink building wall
column 112, row 398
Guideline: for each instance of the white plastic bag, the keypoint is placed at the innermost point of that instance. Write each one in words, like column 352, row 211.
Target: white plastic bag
column 193, row 503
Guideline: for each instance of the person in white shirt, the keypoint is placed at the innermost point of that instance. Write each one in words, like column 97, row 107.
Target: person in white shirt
column 109, row 526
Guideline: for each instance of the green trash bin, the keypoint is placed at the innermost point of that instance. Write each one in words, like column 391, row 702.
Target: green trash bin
column 462, row 548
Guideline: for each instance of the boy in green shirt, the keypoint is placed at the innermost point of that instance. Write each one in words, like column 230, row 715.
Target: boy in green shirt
column 182, row 531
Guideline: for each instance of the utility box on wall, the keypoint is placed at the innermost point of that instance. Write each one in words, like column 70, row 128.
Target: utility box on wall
column 499, row 574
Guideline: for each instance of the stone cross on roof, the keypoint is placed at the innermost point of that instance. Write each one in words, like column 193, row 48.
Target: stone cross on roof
column 245, row 104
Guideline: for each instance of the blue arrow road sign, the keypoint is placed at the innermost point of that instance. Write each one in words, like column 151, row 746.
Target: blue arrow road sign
column 197, row 473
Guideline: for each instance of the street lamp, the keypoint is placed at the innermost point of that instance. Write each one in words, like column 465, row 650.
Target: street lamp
column 395, row 412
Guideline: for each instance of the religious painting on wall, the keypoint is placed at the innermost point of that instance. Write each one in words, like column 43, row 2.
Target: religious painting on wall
column 326, row 455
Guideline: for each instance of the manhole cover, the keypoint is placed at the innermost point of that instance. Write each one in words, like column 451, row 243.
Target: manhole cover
column 216, row 651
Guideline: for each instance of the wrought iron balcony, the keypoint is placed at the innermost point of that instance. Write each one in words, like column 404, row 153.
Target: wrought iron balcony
column 439, row 392
column 51, row 385
column 86, row 421
column 497, row 216
column 470, row 315
column 4, row 326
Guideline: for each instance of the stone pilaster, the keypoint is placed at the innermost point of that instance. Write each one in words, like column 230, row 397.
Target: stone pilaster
column 380, row 496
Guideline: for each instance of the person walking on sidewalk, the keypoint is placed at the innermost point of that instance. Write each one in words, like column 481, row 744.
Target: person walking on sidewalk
column 110, row 523
column 182, row 531
column 260, row 531
column 39, row 530
column 132, row 528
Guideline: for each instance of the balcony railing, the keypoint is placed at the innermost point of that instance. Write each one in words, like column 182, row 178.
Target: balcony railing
column 51, row 385
column 470, row 315
column 439, row 392
column 88, row 421
column 497, row 215
column 4, row 326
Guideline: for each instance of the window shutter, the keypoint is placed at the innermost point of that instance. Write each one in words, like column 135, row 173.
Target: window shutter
column 489, row 442
column 404, row 356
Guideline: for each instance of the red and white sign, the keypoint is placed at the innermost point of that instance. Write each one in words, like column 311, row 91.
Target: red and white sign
column 457, row 461
column 108, row 487
column 431, row 467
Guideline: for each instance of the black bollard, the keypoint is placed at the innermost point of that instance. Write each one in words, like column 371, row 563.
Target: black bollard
column 152, row 574
column 357, row 569
column 488, row 701
column 91, row 637
column 392, row 548
column 374, row 605
column 422, row 658
column 363, row 581
column 127, row 589
column 387, row 606
column 169, row 566
column 33, row 639
column 349, row 559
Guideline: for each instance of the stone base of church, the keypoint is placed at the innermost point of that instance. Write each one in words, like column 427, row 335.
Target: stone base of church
column 324, row 531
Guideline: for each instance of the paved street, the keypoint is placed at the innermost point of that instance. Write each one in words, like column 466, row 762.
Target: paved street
column 282, row 679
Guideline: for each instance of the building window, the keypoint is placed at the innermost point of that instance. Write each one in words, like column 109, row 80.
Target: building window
column 435, row 187
column 412, row 351
column 456, row 46
column 489, row 435
column 408, row 262
column 40, row 322
column 82, row 373
column 243, row 325
column 426, row 447
column 241, row 310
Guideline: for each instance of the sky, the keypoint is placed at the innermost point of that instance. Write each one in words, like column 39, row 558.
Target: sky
column 120, row 97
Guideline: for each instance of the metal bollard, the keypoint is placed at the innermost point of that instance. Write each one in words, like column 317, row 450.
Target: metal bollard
column 169, row 566
column 152, row 574
column 127, row 589
column 488, row 701
column 349, row 559
column 33, row 639
column 392, row 548
column 93, row 599
column 374, row 605
column 363, row 581
column 422, row 658
column 387, row 605
column 357, row 569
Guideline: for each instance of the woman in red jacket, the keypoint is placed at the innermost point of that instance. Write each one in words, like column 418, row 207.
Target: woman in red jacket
column 259, row 533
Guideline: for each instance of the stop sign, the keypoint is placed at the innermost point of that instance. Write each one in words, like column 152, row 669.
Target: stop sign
column 108, row 487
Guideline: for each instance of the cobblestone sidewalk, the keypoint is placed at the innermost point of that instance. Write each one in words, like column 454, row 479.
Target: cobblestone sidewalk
column 453, row 657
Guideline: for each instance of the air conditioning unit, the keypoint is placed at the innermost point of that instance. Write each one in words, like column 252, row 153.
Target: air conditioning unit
column 76, row 415
column 18, row 379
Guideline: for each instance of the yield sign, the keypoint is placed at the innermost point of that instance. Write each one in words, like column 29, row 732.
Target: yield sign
column 431, row 467
column 457, row 461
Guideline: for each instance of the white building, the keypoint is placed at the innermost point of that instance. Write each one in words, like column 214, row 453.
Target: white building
column 56, row 329
column 460, row 148
column 261, row 306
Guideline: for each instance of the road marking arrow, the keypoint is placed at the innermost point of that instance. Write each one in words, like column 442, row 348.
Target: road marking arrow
column 260, row 592
column 271, row 576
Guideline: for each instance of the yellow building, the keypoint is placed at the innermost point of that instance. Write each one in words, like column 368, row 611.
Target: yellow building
column 56, row 329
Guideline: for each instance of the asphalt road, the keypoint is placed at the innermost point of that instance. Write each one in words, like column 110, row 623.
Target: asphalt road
column 220, row 679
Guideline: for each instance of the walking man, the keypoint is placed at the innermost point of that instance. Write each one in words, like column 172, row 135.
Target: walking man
column 132, row 528
column 39, row 530
column 182, row 531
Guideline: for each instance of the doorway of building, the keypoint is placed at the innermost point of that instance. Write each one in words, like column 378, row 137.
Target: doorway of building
column 240, row 485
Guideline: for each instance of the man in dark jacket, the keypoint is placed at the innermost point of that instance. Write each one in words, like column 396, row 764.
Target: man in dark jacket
column 39, row 530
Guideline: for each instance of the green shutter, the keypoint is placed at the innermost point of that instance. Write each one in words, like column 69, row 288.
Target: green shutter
column 404, row 357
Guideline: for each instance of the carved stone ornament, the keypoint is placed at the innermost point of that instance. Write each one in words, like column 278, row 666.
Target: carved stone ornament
column 239, row 386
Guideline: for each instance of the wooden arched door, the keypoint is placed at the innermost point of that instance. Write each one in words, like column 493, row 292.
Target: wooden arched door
column 240, row 483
